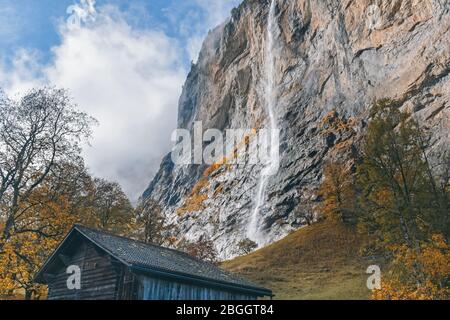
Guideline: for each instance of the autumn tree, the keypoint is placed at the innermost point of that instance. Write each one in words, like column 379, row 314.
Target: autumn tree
column 74, row 183
column 203, row 249
column 432, row 267
column 110, row 208
column 44, row 219
column 36, row 132
column 44, row 186
column 338, row 193
column 400, row 198
column 40, row 136
column 151, row 225
column 246, row 246
column 63, row 199
column 404, row 205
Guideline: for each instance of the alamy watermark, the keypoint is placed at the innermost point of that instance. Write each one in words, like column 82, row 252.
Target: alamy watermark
column 233, row 146
column 374, row 280
column 74, row 280
column 83, row 12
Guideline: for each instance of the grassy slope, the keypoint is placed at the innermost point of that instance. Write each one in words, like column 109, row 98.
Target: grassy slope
column 317, row 262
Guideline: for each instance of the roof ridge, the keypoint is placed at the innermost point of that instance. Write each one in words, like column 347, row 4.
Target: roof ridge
column 109, row 233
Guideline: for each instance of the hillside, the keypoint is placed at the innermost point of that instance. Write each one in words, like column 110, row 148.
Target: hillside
column 316, row 262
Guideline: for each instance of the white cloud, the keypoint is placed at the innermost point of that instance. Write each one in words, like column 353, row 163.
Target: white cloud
column 129, row 80
column 196, row 23
column 193, row 47
column 217, row 10
column 23, row 74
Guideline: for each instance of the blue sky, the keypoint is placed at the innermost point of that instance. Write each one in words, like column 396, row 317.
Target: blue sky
column 33, row 24
column 124, row 63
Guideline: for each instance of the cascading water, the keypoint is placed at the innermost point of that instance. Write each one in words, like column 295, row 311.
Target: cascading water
column 271, row 97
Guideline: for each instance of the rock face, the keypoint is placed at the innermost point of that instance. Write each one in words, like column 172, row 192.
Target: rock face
column 333, row 58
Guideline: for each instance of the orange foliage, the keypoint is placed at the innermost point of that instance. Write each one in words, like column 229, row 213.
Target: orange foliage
column 338, row 193
column 25, row 251
column 195, row 200
column 199, row 193
column 421, row 274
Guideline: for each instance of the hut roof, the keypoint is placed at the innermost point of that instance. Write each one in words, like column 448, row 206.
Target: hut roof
column 157, row 260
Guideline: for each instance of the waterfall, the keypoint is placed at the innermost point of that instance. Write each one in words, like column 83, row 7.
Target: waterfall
column 271, row 97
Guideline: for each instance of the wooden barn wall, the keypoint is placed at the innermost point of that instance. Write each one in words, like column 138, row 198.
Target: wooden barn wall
column 159, row 289
column 99, row 277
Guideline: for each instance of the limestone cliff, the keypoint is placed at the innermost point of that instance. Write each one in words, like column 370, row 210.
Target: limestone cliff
column 333, row 58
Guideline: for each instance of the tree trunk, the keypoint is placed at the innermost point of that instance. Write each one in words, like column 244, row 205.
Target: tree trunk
column 6, row 232
column 28, row 294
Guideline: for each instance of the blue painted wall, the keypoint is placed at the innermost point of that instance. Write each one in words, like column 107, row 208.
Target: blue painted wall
column 159, row 289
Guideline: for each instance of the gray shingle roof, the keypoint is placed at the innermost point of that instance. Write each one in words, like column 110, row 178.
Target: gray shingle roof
column 147, row 256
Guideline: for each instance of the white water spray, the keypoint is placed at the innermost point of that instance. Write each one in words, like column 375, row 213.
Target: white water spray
column 271, row 97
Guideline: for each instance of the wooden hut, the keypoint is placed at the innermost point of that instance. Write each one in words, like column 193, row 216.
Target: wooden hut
column 118, row 268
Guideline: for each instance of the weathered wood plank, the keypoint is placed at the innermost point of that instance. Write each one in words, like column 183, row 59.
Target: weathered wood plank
column 99, row 278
